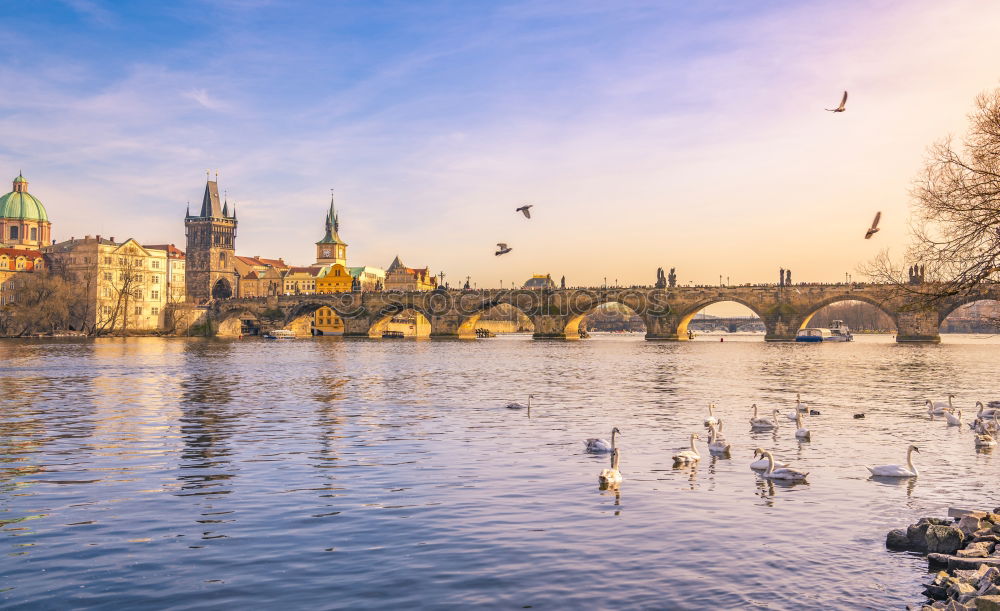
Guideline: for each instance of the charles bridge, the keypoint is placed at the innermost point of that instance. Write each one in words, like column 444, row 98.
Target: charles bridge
column 557, row 313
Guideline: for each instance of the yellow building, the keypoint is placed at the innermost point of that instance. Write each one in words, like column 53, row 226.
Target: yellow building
column 301, row 281
column 326, row 322
column 125, row 283
column 333, row 279
column 368, row 278
column 401, row 278
column 175, row 271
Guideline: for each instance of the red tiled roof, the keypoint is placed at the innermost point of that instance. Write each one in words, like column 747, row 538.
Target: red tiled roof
column 251, row 276
column 21, row 252
column 172, row 251
column 312, row 271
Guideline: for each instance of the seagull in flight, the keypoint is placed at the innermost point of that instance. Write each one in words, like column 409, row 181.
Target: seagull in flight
column 874, row 228
column 526, row 210
column 843, row 102
column 502, row 249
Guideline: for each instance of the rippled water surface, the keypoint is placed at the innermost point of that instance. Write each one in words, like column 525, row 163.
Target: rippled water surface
column 331, row 474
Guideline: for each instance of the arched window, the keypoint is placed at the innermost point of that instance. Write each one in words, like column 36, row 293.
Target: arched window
column 20, row 262
column 222, row 258
column 34, row 233
column 13, row 232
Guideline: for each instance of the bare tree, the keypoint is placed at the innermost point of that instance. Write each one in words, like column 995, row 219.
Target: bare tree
column 41, row 303
column 126, row 289
column 955, row 224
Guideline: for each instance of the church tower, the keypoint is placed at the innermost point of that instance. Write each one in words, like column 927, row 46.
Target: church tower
column 331, row 250
column 211, row 249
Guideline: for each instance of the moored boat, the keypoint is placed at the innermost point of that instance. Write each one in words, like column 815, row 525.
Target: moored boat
column 279, row 334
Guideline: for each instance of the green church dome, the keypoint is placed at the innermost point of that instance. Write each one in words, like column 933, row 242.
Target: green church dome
column 21, row 205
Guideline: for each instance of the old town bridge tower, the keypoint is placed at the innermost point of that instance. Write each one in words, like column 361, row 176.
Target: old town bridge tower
column 211, row 248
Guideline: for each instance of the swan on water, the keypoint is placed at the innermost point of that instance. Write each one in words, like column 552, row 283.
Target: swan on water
column 985, row 441
column 897, row 470
column 601, row 446
column 801, row 432
column 611, row 477
column 762, row 424
column 688, row 456
column 761, row 463
column 954, row 419
column 984, row 412
column 939, row 407
column 716, row 445
column 719, row 436
column 783, row 473
column 711, row 416
column 799, row 405
column 936, row 409
column 516, row 405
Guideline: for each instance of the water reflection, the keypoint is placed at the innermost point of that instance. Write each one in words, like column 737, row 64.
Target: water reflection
column 394, row 468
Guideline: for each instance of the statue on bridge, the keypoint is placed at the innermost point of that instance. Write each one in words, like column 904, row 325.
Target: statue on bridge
column 788, row 277
column 661, row 280
column 355, row 285
column 672, row 278
column 781, row 277
column 562, row 282
column 916, row 274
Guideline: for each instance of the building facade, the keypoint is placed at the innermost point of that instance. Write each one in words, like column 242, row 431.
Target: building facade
column 24, row 222
column 14, row 263
column 211, row 249
column 368, row 278
column 401, row 278
column 176, row 285
column 125, row 283
column 301, row 280
column 334, row 279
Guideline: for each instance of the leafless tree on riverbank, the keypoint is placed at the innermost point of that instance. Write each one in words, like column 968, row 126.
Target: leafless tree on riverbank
column 955, row 223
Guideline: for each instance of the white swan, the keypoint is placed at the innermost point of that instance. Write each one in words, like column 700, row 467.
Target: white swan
column 719, row 436
column 936, row 409
column 799, row 405
column 611, row 477
column 516, row 405
column 897, row 470
column 688, row 456
column 985, row 441
column 761, row 463
column 711, row 416
column 601, row 446
column 801, row 432
column 762, row 424
column 984, row 412
column 785, row 473
column 954, row 419
column 716, row 445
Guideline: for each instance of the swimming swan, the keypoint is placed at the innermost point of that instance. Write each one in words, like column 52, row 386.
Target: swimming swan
column 516, row 405
column 716, row 445
column 801, row 432
column 711, row 416
column 601, row 446
column 799, row 405
column 688, row 456
column 761, row 463
column 762, row 424
column 897, row 470
column 936, row 409
column 784, row 473
column 985, row 441
column 954, row 419
column 984, row 412
column 611, row 477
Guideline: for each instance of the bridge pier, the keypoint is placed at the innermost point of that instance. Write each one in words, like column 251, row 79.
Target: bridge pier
column 664, row 328
column 920, row 326
column 549, row 326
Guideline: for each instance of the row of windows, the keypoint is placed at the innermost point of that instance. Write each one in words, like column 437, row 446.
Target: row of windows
column 15, row 233
column 108, row 310
column 108, row 293
column 19, row 263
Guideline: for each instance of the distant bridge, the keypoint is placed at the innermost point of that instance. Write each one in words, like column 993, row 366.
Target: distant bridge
column 557, row 313
column 731, row 323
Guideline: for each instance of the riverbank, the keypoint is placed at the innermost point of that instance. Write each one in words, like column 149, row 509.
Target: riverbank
column 964, row 547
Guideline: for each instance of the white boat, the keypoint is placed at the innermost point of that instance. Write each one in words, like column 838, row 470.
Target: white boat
column 838, row 332
column 280, row 334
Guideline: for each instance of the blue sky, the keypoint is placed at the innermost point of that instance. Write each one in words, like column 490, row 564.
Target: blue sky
column 646, row 133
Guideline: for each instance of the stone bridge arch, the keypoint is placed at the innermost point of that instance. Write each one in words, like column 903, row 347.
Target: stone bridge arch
column 685, row 316
column 472, row 310
column 299, row 317
column 814, row 308
column 585, row 304
column 379, row 320
column 229, row 322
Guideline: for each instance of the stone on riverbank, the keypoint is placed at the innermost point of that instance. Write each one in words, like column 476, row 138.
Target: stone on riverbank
column 943, row 539
column 988, row 603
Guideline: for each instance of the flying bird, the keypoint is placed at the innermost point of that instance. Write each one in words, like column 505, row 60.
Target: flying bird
column 526, row 210
column 502, row 249
column 843, row 102
column 874, row 228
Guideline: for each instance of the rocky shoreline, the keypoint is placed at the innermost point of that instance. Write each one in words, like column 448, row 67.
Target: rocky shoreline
column 964, row 548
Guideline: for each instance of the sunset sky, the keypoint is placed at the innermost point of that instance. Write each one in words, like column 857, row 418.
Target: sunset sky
column 646, row 133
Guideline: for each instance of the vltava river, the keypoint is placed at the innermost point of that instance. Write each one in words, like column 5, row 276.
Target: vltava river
column 340, row 474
